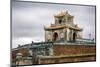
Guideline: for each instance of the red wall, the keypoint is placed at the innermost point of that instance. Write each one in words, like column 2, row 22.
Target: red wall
column 67, row 59
column 73, row 49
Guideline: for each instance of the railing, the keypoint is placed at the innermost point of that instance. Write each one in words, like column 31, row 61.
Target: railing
column 35, row 45
column 78, row 42
column 50, row 43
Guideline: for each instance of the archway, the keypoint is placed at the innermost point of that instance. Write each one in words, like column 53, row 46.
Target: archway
column 55, row 36
column 74, row 36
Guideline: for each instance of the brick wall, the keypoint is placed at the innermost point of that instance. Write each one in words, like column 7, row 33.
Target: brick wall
column 73, row 49
column 67, row 59
column 65, row 50
column 61, row 50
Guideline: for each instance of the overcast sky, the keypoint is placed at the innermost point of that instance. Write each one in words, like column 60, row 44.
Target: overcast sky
column 29, row 19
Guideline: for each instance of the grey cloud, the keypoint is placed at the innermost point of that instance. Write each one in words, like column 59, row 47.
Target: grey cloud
column 29, row 19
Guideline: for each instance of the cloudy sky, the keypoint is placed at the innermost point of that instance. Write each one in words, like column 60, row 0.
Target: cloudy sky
column 29, row 19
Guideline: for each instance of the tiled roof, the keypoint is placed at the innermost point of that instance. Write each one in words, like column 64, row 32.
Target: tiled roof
column 63, row 13
column 63, row 26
